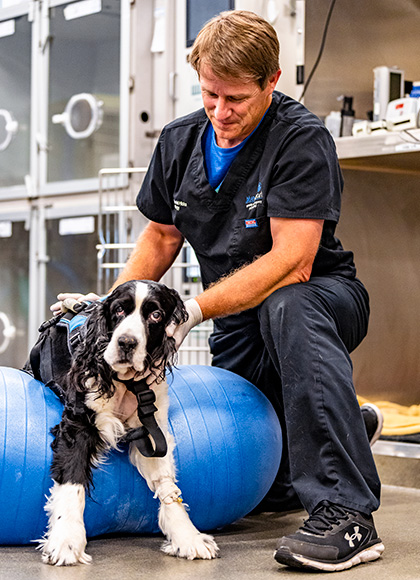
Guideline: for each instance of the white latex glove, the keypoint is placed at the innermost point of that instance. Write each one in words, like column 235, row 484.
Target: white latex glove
column 56, row 308
column 180, row 331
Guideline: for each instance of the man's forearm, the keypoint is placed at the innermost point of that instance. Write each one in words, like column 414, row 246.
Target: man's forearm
column 156, row 249
column 295, row 243
column 245, row 288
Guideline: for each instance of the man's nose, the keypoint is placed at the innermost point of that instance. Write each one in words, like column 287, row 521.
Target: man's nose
column 222, row 110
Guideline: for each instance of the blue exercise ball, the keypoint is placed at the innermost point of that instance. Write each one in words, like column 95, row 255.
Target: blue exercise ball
column 228, row 451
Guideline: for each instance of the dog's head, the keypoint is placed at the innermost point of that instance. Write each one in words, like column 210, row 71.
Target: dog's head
column 136, row 315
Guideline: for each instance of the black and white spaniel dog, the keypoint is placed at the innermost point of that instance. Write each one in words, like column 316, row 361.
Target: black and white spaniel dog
column 111, row 379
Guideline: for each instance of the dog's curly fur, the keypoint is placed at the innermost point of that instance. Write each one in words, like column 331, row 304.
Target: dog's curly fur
column 88, row 359
column 124, row 338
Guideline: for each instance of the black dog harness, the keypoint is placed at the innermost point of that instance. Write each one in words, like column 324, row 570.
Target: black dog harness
column 41, row 367
column 51, row 352
column 146, row 410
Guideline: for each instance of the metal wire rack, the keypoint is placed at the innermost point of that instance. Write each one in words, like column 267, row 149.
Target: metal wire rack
column 119, row 225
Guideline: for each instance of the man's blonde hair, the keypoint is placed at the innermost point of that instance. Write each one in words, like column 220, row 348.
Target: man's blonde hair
column 237, row 44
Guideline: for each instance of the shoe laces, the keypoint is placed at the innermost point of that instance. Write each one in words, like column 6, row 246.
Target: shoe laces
column 325, row 516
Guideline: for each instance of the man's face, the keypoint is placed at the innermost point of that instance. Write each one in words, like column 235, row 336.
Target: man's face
column 234, row 107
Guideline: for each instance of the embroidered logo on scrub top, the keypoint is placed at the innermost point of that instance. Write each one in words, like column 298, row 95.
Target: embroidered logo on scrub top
column 253, row 200
column 178, row 204
column 251, row 223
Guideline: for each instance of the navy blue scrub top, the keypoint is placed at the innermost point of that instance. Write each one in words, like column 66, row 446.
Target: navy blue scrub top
column 288, row 168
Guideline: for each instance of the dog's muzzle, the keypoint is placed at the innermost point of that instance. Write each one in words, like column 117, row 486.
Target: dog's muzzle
column 127, row 344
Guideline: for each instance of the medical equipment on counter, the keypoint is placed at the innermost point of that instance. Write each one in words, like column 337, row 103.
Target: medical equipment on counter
column 340, row 123
column 333, row 123
column 403, row 114
column 347, row 117
column 361, row 128
column 388, row 85
column 415, row 90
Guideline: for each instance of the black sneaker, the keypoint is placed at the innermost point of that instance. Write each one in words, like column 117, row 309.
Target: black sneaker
column 333, row 538
column 374, row 421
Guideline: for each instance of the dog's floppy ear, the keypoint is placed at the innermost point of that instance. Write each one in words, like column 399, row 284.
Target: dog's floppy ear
column 179, row 314
column 164, row 356
column 88, row 359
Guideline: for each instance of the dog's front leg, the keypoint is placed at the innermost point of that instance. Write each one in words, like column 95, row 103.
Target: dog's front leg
column 65, row 541
column 75, row 448
column 183, row 538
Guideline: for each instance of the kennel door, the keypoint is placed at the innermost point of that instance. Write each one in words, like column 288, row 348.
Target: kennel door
column 15, row 93
column 71, row 249
column 14, row 291
column 84, row 89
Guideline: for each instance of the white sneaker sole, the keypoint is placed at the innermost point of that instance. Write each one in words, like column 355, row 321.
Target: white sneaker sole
column 380, row 425
column 368, row 555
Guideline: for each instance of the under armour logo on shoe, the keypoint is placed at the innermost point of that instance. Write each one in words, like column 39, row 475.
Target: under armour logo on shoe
column 355, row 536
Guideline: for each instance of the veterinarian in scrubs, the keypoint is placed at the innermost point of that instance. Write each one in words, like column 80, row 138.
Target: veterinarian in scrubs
column 252, row 181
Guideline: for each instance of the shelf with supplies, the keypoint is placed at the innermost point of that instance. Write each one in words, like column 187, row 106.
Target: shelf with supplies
column 393, row 152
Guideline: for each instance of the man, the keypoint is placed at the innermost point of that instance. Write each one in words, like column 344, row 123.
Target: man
column 252, row 181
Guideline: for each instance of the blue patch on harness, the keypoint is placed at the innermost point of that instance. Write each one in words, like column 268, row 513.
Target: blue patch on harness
column 75, row 322
column 74, row 326
column 251, row 223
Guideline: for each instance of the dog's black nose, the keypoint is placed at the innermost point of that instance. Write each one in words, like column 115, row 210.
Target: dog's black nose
column 127, row 343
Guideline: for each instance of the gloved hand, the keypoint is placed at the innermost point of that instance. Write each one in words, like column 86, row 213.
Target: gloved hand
column 180, row 331
column 57, row 307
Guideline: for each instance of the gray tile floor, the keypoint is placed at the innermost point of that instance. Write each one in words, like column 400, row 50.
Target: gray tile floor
column 246, row 552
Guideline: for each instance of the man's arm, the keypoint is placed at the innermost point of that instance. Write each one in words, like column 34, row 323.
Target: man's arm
column 295, row 244
column 156, row 249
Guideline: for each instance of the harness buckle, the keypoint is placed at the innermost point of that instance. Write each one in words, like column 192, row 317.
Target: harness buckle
column 146, row 397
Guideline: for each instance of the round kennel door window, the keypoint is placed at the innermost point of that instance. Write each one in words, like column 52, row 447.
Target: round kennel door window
column 82, row 116
column 7, row 332
column 8, row 128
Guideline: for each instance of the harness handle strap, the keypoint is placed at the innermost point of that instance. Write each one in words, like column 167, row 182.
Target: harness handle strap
column 141, row 438
column 146, row 410
column 68, row 312
column 72, row 305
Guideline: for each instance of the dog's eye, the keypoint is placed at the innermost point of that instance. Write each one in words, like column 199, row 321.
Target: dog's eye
column 119, row 311
column 155, row 316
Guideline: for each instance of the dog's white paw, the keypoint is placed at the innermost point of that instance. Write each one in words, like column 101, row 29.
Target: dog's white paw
column 61, row 549
column 65, row 556
column 198, row 546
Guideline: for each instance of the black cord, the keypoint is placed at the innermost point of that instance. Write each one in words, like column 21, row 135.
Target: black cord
column 407, row 132
column 321, row 49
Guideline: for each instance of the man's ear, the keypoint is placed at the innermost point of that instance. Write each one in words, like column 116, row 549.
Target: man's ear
column 273, row 80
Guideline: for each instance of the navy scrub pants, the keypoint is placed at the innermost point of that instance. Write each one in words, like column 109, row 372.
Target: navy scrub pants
column 295, row 348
